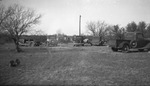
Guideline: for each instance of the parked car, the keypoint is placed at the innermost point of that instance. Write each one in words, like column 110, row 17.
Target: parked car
column 132, row 40
column 97, row 41
column 37, row 43
column 26, row 42
column 53, row 42
column 79, row 41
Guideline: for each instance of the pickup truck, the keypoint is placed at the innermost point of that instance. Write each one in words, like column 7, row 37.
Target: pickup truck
column 132, row 40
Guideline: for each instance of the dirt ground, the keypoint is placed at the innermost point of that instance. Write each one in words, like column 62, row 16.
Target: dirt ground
column 68, row 65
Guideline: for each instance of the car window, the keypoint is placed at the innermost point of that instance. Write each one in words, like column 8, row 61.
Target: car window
column 129, row 36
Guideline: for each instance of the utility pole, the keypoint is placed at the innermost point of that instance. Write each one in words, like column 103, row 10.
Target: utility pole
column 79, row 25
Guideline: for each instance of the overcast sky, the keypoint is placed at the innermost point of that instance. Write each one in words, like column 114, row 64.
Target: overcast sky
column 64, row 14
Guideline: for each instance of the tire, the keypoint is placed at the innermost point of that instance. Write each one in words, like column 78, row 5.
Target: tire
column 91, row 44
column 133, row 44
column 114, row 49
column 125, row 48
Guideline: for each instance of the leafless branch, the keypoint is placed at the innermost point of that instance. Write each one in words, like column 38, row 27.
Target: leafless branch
column 17, row 20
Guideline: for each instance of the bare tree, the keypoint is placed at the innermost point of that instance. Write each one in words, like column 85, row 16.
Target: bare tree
column 4, row 14
column 101, row 29
column 17, row 20
column 98, row 28
column 91, row 26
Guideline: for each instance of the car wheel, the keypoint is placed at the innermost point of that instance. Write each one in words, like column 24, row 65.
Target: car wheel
column 125, row 48
column 114, row 49
column 133, row 44
column 91, row 44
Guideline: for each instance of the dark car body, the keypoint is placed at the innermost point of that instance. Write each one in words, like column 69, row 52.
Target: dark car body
column 79, row 41
column 132, row 40
column 96, row 41
column 37, row 43
column 82, row 41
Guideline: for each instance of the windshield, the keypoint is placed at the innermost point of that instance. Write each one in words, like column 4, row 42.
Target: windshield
column 129, row 36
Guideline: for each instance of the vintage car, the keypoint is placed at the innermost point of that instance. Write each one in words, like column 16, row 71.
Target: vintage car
column 79, row 41
column 26, row 42
column 96, row 40
column 132, row 40
column 52, row 43
column 82, row 41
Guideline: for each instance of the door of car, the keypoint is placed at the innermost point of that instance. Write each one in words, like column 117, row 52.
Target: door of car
column 141, row 42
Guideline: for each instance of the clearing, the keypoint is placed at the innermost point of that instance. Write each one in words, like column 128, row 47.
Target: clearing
column 67, row 65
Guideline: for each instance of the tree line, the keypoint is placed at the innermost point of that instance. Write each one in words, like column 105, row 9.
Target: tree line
column 17, row 20
column 106, row 31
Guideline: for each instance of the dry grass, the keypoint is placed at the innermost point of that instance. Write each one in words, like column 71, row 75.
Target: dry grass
column 67, row 65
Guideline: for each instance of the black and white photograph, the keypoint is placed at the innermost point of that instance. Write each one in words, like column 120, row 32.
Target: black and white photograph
column 75, row 42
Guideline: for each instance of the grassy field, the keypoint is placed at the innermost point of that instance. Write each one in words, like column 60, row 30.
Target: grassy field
column 67, row 65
